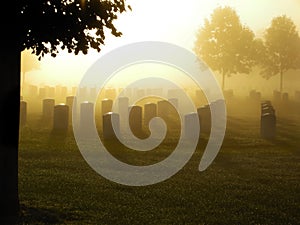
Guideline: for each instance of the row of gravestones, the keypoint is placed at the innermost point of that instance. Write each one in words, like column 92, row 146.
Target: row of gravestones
column 60, row 115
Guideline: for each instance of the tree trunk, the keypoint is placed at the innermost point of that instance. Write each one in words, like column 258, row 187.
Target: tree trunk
column 23, row 83
column 281, row 81
column 9, row 131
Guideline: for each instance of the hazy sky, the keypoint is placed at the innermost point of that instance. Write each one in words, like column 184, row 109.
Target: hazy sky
column 172, row 21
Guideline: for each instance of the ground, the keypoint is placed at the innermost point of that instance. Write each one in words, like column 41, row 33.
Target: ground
column 252, row 181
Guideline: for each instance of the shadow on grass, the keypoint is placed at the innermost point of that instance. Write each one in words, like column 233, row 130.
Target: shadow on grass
column 31, row 215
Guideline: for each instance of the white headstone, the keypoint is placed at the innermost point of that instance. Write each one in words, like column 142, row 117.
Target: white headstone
column 86, row 117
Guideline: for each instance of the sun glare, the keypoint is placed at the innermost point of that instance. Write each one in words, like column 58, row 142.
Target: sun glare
column 171, row 21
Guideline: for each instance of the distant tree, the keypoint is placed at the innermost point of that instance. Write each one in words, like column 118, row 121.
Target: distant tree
column 29, row 63
column 282, row 46
column 225, row 45
column 44, row 26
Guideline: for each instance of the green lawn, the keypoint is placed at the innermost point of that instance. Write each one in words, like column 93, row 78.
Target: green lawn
column 252, row 181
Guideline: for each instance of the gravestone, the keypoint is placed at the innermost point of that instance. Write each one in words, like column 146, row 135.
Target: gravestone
column 73, row 91
column 110, row 93
column 140, row 93
column 86, row 118
column 33, row 91
column 106, row 106
column 268, row 125
column 51, row 92
column 128, row 92
column 23, row 113
column 123, row 103
column 200, row 98
column 168, row 113
column 83, row 92
column 267, row 121
column 174, row 102
column 163, row 108
column 285, row 97
column 61, row 118
column 70, row 102
column 150, row 111
column 64, row 92
column 276, row 96
column 135, row 120
column 267, row 109
column 48, row 109
column 189, row 125
column 255, row 95
column 109, row 131
column 42, row 93
column 156, row 91
column 174, row 93
column 204, row 119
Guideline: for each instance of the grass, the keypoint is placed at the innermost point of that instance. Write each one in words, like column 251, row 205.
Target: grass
column 252, row 181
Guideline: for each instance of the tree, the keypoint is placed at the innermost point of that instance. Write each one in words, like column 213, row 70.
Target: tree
column 225, row 45
column 282, row 45
column 45, row 27
column 29, row 63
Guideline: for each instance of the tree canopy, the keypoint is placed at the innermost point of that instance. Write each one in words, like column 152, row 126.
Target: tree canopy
column 225, row 45
column 282, row 48
column 75, row 25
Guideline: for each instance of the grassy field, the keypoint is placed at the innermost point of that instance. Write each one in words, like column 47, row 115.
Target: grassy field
column 252, row 181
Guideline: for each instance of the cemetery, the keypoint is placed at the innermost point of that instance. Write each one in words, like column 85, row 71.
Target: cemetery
column 192, row 117
column 258, row 131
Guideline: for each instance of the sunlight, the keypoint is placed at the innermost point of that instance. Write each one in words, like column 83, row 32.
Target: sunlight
column 171, row 21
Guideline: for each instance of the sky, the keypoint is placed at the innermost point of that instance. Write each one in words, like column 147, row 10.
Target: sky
column 173, row 21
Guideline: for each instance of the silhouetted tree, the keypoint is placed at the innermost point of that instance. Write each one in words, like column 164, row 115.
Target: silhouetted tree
column 282, row 46
column 225, row 45
column 44, row 26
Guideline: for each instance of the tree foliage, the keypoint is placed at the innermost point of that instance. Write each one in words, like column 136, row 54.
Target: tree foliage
column 75, row 25
column 282, row 48
column 225, row 44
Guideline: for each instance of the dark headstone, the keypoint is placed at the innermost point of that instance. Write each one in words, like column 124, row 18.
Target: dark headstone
column 109, row 131
column 268, row 126
column 48, row 109
column 106, row 106
column 61, row 118
column 204, row 119
column 135, row 120
column 267, row 121
column 23, row 113
column 150, row 111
